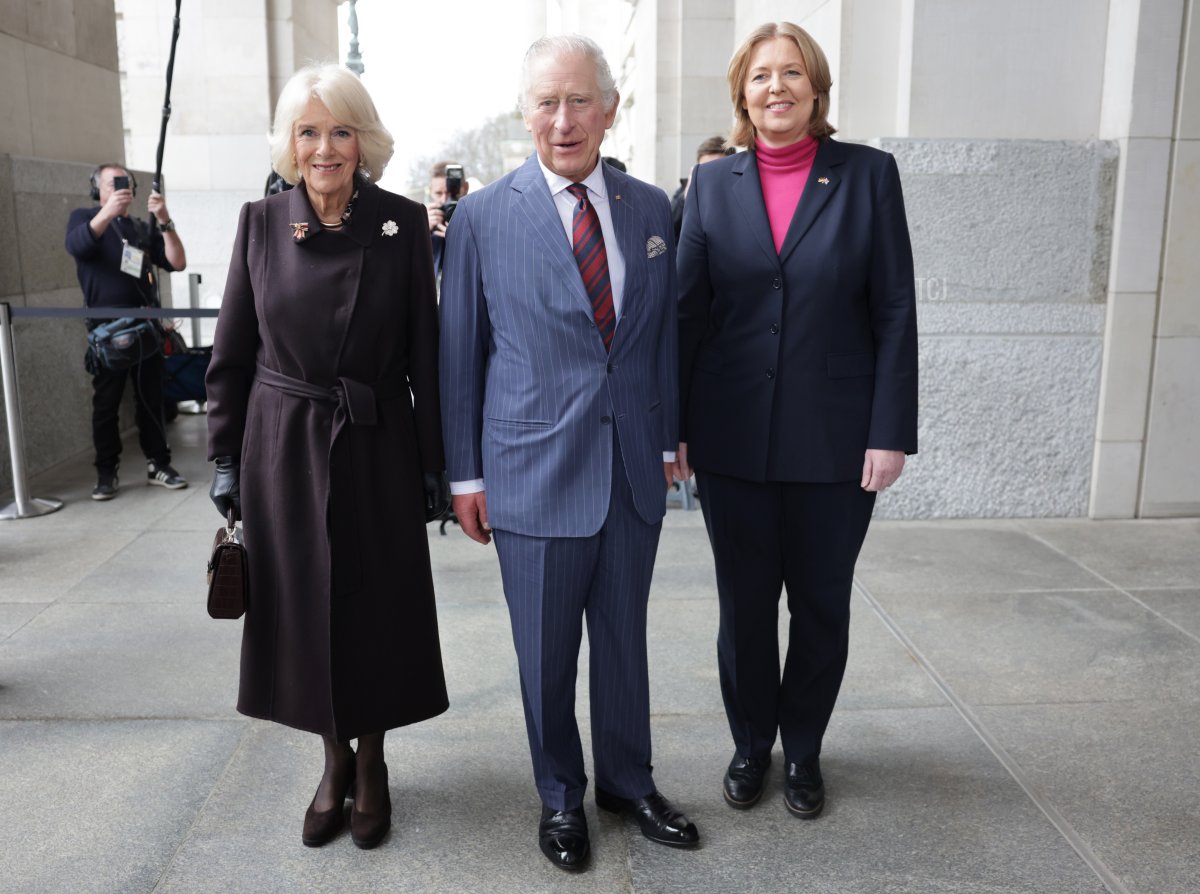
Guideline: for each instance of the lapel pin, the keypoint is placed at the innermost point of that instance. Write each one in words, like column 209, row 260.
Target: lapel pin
column 824, row 181
column 390, row 228
column 616, row 198
column 299, row 230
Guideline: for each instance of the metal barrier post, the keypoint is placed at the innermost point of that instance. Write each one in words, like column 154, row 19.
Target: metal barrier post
column 24, row 506
column 194, row 303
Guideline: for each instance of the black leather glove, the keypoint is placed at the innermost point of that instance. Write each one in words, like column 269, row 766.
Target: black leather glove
column 437, row 496
column 226, row 487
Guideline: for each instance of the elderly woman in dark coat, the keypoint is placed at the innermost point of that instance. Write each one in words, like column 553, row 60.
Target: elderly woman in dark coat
column 324, row 423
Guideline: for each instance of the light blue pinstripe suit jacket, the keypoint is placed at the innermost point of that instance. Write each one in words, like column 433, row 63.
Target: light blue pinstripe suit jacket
column 529, row 395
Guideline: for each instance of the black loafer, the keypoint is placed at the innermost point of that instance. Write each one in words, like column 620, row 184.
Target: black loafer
column 563, row 838
column 804, row 789
column 744, row 780
column 660, row 822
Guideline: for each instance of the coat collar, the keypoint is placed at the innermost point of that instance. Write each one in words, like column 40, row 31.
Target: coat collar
column 364, row 222
column 822, row 182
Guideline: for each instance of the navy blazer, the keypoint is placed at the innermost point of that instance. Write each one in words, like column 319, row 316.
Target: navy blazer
column 792, row 364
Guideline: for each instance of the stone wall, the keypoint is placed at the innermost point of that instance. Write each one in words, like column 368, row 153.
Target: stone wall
column 1011, row 240
column 36, row 198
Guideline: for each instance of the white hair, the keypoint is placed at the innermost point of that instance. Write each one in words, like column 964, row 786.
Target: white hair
column 569, row 45
column 340, row 90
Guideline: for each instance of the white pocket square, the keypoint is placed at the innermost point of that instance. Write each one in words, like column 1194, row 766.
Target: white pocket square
column 655, row 247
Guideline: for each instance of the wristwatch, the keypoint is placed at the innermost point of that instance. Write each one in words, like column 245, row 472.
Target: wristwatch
column 168, row 227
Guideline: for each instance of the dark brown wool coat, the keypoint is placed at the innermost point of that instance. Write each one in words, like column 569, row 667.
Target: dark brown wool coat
column 341, row 634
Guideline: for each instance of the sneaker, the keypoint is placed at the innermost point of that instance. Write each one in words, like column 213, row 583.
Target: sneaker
column 164, row 476
column 106, row 486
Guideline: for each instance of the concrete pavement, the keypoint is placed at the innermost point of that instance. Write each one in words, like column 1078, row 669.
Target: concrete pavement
column 1019, row 715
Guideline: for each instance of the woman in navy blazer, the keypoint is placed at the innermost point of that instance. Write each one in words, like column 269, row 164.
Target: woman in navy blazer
column 798, row 376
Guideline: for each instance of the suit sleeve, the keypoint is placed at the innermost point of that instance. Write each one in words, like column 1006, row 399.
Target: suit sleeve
column 695, row 293
column 893, row 310
column 465, row 337
column 235, row 350
column 423, row 347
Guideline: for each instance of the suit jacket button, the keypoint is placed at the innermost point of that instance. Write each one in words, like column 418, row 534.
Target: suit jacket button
column 777, row 283
column 774, row 328
column 609, row 368
column 770, row 372
column 605, row 420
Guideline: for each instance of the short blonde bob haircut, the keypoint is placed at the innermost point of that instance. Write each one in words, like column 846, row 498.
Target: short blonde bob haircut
column 816, row 67
column 340, row 90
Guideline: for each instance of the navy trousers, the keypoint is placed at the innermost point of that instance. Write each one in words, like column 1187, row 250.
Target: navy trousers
column 767, row 536
column 553, row 583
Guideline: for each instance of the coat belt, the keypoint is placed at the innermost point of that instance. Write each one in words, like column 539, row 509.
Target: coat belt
column 356, row 405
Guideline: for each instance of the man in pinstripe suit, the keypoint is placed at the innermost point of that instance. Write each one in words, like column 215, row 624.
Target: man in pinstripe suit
column 559, row 399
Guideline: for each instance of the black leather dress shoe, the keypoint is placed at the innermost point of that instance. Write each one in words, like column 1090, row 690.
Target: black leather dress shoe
column 804, row 789
column 744, row 780
column 563, row 838
column 660, row 822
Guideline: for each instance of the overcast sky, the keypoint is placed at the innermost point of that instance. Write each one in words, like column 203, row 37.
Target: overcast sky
column 436, row 66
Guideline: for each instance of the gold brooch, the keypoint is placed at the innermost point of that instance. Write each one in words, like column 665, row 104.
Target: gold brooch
column 824, row 181
column 299, row 230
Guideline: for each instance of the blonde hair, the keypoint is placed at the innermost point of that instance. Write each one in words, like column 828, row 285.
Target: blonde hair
column 816, row 67
column 340, row 90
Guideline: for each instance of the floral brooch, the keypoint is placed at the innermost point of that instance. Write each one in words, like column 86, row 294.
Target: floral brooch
column 390, row 228
column 299, row 230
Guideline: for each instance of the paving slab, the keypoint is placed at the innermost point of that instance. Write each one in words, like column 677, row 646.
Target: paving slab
column 41, row 561
column 1141, row 554
column 1044, row 647
column 102, row 806
column 967, row 559
column 155, row 566
column 112, row 661
column 1125, row 774
column 15, row 615
column 916, row 803
column 1180, row 606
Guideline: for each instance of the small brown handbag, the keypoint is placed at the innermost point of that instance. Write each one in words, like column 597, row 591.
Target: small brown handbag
column 228, row 574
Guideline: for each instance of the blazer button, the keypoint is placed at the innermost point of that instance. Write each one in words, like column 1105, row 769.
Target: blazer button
column 609, row 368
column 774, row 328
column 770, row 372
column 777, row 283
column 605, row 420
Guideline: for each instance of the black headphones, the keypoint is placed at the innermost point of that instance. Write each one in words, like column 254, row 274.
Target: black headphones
column 95, row 179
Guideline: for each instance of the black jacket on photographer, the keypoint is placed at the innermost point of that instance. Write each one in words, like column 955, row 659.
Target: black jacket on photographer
column 98, row 261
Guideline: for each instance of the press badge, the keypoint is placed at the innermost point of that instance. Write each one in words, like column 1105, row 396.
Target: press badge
column 131, row 260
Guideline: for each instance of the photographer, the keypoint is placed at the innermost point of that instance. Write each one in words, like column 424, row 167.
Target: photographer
column 115, row 256
column 447, row 184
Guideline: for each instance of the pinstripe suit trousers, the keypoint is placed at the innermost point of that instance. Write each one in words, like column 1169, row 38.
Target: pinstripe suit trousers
column 551, row 584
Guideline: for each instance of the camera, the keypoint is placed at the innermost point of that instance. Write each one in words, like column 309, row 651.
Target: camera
column 120, row 182
column 454, row 182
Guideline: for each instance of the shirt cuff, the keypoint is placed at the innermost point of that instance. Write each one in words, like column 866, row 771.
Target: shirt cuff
column 457, row 488
column 668, row 456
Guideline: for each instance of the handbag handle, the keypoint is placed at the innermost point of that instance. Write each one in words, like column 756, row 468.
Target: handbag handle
column 231, row 519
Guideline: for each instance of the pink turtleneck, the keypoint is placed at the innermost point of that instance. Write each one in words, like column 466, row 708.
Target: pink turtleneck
column 783, row 173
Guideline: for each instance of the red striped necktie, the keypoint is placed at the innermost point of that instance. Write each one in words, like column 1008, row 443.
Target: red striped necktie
column 588, row 245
